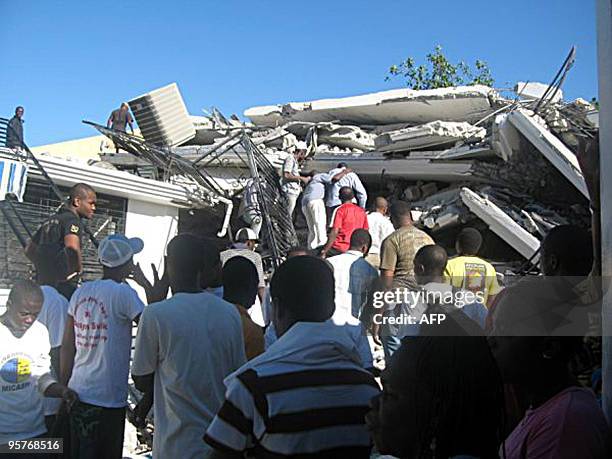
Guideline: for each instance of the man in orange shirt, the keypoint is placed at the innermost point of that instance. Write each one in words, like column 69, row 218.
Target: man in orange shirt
column 240, row 281
column 346, row 219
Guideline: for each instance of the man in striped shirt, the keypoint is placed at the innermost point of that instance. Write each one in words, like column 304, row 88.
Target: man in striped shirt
column 308, row 394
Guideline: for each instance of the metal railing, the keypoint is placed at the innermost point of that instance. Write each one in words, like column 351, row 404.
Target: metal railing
column 240, row 159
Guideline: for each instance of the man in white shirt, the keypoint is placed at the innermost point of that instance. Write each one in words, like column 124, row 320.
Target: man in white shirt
column 185, row 347
column 25, row 370
column 50, row 271
column 380, row 227
column 353, row 276
column 291, row 180
column 95, row 355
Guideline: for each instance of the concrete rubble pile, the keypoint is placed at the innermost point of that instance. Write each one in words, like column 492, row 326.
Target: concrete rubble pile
column 461, row 156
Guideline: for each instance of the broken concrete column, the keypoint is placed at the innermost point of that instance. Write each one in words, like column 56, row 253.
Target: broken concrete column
column 505, row 138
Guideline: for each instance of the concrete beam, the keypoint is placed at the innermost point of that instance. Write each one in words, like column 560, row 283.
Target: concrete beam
column 500, row 223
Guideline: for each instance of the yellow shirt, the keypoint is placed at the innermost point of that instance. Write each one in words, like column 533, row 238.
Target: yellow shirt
column 473, row 274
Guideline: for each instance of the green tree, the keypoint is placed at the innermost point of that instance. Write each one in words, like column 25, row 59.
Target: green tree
column 438, row 72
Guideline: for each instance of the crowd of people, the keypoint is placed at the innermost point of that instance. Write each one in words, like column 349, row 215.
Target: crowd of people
column 472, row 370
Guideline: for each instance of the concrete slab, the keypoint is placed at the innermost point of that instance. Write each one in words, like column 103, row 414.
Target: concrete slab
column 374, row 165
column 461, row 103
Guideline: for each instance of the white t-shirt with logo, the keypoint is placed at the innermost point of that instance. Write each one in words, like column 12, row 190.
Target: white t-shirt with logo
column 24, row 375
column 103, row 311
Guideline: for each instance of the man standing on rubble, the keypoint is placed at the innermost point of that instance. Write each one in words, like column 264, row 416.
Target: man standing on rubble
column 14, row 132
column 119, row 119
column 349, row 179
column 291, row 179
column 65, row 230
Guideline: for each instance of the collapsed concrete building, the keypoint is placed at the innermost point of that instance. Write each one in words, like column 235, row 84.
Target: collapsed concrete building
column 461, row 156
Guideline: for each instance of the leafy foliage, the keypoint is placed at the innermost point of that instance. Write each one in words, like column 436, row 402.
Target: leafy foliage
column 438, row 72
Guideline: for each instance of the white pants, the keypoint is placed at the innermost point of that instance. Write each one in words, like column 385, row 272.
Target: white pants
column 291, row 201
column 314, row 211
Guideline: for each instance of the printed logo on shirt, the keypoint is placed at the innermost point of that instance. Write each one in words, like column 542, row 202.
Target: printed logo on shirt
column 15, row 372
column 90, row 322
column 74, row 229
column 475, row 277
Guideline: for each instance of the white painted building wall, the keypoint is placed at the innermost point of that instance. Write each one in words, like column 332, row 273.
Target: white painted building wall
column 156, row 225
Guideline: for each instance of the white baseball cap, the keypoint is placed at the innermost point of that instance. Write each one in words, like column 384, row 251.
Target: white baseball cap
column 116, row 250
column 246, row 234
column 301, row 145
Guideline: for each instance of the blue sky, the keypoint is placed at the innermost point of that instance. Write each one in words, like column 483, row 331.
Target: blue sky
column 71, row 60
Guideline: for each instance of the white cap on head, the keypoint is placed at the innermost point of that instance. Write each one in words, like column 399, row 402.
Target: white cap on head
column 116, row 250
column 246, row 234
column 301, row 145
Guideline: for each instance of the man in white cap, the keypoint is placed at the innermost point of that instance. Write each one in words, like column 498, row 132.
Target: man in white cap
column 95, row 353
column 246, row 242
column 291, row 179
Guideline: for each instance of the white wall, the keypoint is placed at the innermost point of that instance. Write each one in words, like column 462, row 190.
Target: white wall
column 156, row 225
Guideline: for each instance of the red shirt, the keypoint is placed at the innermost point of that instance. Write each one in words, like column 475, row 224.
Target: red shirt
column 347, row 218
